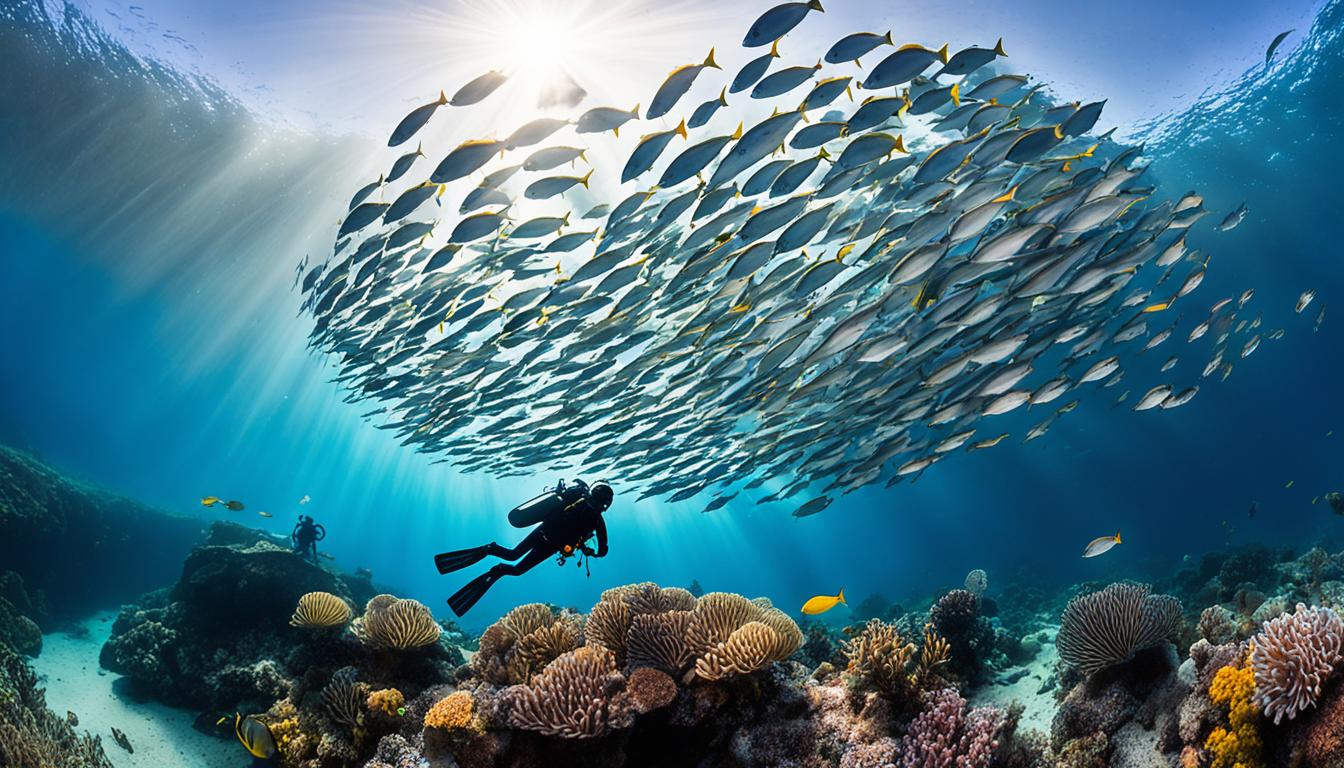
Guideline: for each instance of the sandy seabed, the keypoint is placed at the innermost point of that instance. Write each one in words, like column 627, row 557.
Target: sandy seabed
column 163, row 737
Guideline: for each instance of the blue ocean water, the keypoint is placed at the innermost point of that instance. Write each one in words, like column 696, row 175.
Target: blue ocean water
column 149, row 225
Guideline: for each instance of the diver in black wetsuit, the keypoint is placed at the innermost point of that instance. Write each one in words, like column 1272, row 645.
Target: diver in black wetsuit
column 569, row 516
column 305, row 537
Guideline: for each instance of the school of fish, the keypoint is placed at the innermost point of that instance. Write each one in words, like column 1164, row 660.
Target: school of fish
column 840, row 294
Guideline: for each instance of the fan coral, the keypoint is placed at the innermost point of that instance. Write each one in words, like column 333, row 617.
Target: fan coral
column 579, row 695
column 524, row 641
column 320, row 609
column 454, row 712
column 880, row 656
column 1293, row 656
column 1238, row 745
column 388, row 701
column 977, row 582
column 650, row 689
column 1105, row 628
column 390, row 622
column 344, row 698
column 944, row 734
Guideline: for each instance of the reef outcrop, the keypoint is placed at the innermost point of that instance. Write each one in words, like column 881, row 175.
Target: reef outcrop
column 31, row 735
column 69, row 549
column 222, row 637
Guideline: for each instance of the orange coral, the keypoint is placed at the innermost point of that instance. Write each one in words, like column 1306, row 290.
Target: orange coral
column 455, row 712
column 389, row 701
column 1238, row 745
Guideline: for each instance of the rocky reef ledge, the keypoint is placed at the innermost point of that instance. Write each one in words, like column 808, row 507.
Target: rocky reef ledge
column 68, row 549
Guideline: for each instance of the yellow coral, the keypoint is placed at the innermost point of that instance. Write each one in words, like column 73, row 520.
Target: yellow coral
column 455, row 712
column 283, row 720
column 389, row 701
column 1238, row 745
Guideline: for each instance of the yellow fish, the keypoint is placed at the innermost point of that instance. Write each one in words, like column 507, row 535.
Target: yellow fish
column 255, row 736
column 823, row 603
column 210, row 501
column 1157, row 307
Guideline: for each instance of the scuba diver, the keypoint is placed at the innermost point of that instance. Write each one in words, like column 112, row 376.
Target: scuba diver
column 305, row 537
column 570, row 515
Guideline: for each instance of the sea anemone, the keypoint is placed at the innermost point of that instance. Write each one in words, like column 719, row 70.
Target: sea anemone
column 579, row 695
column 1293, row 656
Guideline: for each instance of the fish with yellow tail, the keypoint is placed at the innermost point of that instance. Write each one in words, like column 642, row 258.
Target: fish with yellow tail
column 1101, row 545
column 215, row 501
column 255, row 736
column 823, row 603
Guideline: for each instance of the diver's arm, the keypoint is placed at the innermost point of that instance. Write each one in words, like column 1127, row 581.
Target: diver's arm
column 601, row 531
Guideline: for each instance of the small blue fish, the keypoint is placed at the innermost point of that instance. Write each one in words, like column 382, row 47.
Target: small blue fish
column 776, row 22
column 752, row 70
column 856, row 46
column 676, row 85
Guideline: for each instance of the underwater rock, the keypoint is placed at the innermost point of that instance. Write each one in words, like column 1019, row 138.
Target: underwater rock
column 18, row 631
column 186, row 646
column 957, row 618
column 1145, row 689
column 31, row 735
column 81, row 547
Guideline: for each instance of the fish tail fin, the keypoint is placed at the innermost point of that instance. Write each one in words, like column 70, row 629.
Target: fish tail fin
column 823, row 154
column 774, row 49
column 1006, row 197
column 858, row 64
column 723, row 96
column 849, row 93
column 616, row 131
column 681, row 129
column 942, row 53
column 900, row 144
column 443, row 99
column 738, row 133
column 816, row 6
column 586, row 176
column 956, row 94
column 635, row 111
column 709, row 61
column 998, row 48
column 1117, row 538
column 841, row 596
column 582, row 156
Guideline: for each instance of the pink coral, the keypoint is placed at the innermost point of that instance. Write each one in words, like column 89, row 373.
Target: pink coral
column 1293, row 656
column 945, row 734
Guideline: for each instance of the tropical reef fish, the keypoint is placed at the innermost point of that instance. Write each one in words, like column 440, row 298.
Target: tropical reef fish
column 413, row 122
column 776, row 22
column 1101, row 545
column 823, row 603
column 255, row 736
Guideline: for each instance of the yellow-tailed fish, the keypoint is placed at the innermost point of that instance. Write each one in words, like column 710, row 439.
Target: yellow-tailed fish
column 823, row 603
column 1101, row 545
column 255, row 736
column 210, row 501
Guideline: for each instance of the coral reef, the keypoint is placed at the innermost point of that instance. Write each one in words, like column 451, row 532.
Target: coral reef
column 524, row 641
column 1292, row 657
column 1238, row 745
column 946, row 734
column 1104, row 628
column 390, row 622
column 579, row 695
column 957, row 617
column 32, row 736
column 880, row 657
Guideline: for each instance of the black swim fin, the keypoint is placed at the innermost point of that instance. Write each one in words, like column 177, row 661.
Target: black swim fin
column 447, row 562
column 466, row 597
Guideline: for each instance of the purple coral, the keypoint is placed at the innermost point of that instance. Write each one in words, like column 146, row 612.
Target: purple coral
column 945, row 734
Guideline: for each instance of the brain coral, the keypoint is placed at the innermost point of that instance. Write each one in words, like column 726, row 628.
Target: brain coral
column 1293, row 656
column 320, row 609
column 1104, row 628
column 579, row 695
column 390, row 622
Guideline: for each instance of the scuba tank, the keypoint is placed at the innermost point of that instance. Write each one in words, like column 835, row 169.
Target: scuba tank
column 546, row 505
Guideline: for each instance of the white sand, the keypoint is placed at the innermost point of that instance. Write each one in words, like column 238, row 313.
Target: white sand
column 1040, row 707
column 162, row 736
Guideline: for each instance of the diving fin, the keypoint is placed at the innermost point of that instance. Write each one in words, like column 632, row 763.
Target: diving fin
column 466, row 597
column 447, row 562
